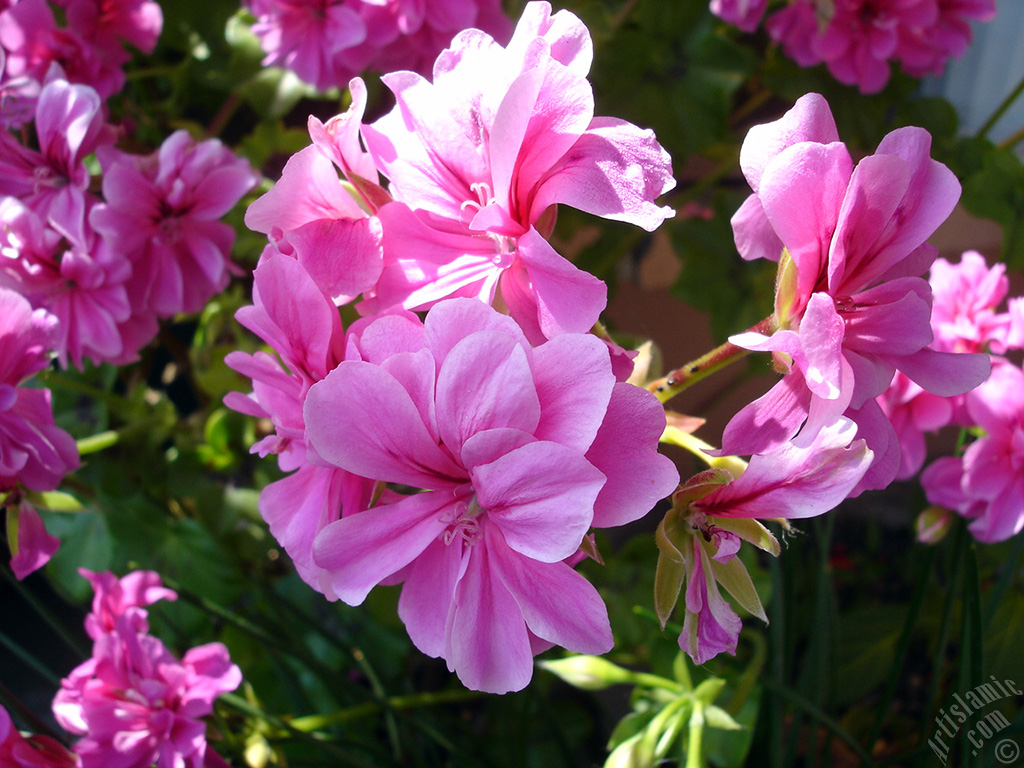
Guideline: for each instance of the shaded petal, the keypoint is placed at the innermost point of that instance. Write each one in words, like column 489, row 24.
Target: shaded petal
column 362, row 550
column 626, row 451
column 487, row 644
column 559, row 605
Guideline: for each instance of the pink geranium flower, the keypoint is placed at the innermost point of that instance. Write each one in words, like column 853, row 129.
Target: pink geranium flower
column 109, row 23
column 744, row 14
column 309, row 214
column 162, row 212
column 127, row 596
column 54, row 181
column 69, row 271
column 967, row 295
column 715, row 511
column 34, row 452
column 135, row 704
column 519, row 451
column 849, row 308
column 309, row 37
column 478, row 158
column 294, row 316
column 34, row 45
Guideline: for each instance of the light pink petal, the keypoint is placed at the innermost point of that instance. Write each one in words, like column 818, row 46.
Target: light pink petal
column 574, row 380
column 626, row 451
column 428, row 594
column 450, row 321
column 876, row 430
column 485, row 382
column 945, row 373
column 794, row 482
column 541, row 496
column 362, row 550
column 487, row 644
column 770, row 421
column 491, row 444
column 615, row 170
column 810, row 119
column 559, row 605
column 753, row 233
column 549, row 295
column 802, row 191
column 308, row 190
column 360, row 418
column 344, row 256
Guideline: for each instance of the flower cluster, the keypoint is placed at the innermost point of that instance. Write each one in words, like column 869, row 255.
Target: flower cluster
column 34, row 453
column 518, row 431
column 108, row 269
column 133, row 702
column 850, row 312
column 856, row 39
column 89, row 50
column 327, row 42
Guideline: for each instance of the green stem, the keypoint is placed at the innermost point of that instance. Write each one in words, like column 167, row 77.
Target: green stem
column 98, row 442
column 1013, row 140
column 903, row 646
column 1001, row 109
column 695, row 746
column 310, row 723
column 958, row 544
column 971, row 648
column 681, row 378
column 829, row 723
column 1006, row 578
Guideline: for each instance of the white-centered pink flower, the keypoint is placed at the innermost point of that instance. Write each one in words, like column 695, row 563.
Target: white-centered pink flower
column 518, row 450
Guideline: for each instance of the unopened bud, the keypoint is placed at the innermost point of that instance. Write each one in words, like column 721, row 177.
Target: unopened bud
column 933, row 524
column 591, row 673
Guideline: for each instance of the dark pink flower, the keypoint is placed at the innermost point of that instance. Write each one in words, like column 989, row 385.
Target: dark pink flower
column 33, row 451
column 135, row 704
column 54, row 181
column 114, row 598
column 35, row 46
column 17, row 751
column 109, row 23
column 162, row 211
column 71, row 272
column 309, row 37
column 744, row 14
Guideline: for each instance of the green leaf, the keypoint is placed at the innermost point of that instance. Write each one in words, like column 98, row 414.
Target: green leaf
column 734, row 578
column 717, row 717
column 55, row 501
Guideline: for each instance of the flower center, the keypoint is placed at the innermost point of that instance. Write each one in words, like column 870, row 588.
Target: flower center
column 463, row 521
